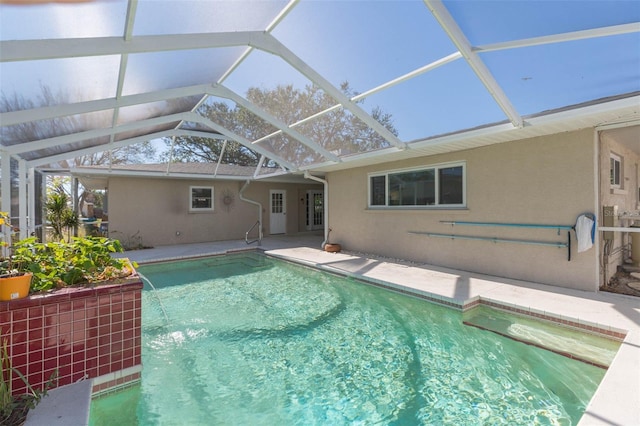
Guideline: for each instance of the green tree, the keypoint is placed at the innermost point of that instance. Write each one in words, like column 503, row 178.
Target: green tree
column 60, row 215
column 337, row 131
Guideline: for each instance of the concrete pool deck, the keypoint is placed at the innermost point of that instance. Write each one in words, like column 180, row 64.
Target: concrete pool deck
column 617, row 400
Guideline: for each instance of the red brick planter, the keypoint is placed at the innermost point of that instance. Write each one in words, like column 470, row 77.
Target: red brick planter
column 81, row 332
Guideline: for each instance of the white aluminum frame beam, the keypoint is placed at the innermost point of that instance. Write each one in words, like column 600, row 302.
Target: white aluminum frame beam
column 224, row 92
column 30, row 50
column 272, row 45
column 55, row 111
column 230, row 135
column 24, row 147
column 456, row 35
column 560, row 38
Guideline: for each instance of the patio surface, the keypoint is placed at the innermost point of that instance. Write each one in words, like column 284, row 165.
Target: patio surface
column 616, row 401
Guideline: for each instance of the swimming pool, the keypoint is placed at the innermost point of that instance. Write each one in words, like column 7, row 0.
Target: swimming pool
column 247, row 339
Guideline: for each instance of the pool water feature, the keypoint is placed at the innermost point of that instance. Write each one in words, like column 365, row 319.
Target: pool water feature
column 253, row 340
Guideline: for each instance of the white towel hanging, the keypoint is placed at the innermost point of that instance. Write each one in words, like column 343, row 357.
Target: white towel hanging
column 585, row 227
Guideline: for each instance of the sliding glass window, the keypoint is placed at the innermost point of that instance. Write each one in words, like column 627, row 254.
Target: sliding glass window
column 434, row 186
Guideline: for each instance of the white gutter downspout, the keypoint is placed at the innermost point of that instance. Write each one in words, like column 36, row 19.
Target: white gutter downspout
column 255, row 203
column 307, row 175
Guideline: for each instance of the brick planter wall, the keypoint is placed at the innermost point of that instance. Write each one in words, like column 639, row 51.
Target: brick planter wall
column 81, row 332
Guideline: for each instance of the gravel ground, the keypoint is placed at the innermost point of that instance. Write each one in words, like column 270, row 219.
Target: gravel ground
column 624, row 283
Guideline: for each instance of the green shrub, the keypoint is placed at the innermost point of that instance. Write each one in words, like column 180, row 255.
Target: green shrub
column 59, row 264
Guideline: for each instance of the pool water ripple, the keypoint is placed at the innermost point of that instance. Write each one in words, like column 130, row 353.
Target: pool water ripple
column 281, row 344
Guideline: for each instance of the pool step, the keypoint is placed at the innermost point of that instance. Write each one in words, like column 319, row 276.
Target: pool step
column 586, row 347
column 239, row 260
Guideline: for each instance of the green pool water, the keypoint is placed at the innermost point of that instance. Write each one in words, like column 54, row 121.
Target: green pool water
column 249, row 340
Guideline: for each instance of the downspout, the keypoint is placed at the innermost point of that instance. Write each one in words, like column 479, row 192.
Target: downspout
column 255, row 203
column 308, row 175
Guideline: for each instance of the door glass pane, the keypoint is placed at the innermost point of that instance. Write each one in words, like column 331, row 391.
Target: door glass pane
column 276, row 203
column 318, row 208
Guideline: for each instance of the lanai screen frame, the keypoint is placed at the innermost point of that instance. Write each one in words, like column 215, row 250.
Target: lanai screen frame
column 258, row 36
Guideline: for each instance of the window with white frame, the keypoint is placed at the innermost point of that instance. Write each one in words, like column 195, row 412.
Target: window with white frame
column 615, row 171
column 434, row 186
column 200, row 198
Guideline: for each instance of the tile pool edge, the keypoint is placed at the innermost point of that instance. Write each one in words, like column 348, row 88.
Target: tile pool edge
column 116, row 381
column 564, row 321
column 464, row 305
column 461, row 305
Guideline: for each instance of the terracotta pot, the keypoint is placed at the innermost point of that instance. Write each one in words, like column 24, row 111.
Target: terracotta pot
column 332, row 248
column 13, row 288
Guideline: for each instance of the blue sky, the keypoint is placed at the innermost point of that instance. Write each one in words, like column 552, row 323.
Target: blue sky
column 364, row 42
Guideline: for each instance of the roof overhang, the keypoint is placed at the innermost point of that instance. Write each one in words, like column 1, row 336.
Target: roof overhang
column 598, row 115
column 96, row 178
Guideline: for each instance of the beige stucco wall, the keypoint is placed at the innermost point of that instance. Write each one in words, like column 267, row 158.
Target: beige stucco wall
column 546, row 180
column 624, row 198
column 157, row 210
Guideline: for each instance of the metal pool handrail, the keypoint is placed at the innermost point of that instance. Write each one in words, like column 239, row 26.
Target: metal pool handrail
column 510, row 225
column 493, row 239
column 257, row 204
column 558, row 244
column 246, row 235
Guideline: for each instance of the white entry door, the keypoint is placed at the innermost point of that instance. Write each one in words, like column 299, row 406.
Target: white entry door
column 278, row 208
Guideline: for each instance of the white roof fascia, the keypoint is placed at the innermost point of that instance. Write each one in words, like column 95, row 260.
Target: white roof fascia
column 559, row 38
column 29, row 50
column 539, row 121
column 224, row 92
column 626, row 110
column 609, row 126
column 54, row 111
column 628, row 105
column 456, row 35
column 272, row 45
column 147, row 173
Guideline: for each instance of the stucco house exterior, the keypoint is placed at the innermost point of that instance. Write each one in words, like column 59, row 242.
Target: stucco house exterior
column 548, row 180
column 503, row 209
column 200, row 202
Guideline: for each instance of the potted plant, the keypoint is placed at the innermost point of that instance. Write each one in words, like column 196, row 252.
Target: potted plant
column 331, row 247
column 15, row 280
column 47, row 266
column 14, row 408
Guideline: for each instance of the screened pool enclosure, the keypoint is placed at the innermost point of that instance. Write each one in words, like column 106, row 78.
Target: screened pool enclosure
column 302, row 86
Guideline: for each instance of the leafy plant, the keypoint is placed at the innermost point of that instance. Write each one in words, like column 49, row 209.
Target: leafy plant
column 14, row 408
column 59, row 264
column 9, row 266
column 131, row 242
column 61, row 217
